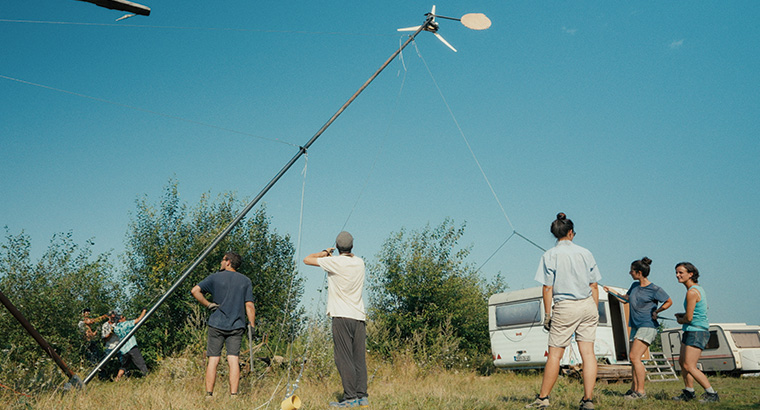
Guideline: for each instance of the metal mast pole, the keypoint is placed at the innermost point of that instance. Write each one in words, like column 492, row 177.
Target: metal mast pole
column 73, row 379
column 302, row 150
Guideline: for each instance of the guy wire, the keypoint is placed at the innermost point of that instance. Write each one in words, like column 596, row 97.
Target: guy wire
column 74, row 23
column 292, row 278
column 132, row 107
column 477, row 162
column 382, row 144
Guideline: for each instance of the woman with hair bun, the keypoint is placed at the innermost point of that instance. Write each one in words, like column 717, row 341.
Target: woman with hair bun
column 643, row 298
column 570, row 276
column 696, row 333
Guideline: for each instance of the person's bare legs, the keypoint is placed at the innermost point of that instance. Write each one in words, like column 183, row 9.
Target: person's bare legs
column 639, row 373
column 589, row 368
column 690, row 357
column 551, row 370
column 211, row 365
column 234, row 363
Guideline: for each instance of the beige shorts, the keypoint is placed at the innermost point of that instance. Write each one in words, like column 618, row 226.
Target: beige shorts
column 573, row 316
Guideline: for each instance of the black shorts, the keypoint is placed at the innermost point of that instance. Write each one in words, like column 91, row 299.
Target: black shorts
column 230, row 338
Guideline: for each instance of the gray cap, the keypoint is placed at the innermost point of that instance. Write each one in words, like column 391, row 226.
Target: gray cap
column 344, row 241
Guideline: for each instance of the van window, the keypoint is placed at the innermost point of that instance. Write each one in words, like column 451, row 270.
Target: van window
column 602, row 313
column 713, row 342
column 523, row 313
column 746, row 339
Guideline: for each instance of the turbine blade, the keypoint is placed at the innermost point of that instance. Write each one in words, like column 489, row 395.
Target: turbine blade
column 445, row 42
column 126, row 16
column 415, row 28
column 433, row 10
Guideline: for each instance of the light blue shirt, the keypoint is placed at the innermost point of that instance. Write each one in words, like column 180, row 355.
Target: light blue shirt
column 122, row 329
column 568, row 269
column 699, row 320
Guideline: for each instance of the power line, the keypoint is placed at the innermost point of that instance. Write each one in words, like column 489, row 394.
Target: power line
column 242, row 30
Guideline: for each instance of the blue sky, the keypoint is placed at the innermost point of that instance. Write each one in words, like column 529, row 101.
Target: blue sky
column 637, row 119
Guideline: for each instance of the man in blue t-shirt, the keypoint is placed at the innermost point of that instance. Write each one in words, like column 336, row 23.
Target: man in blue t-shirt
column 232, row 293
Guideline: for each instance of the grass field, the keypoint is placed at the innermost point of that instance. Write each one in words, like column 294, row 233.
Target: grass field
column 178, row 384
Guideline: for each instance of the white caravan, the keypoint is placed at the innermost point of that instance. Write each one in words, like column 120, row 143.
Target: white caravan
column 519, row 341
column 732, row 348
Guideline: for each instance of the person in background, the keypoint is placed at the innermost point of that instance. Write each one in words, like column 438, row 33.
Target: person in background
column 569, row 276
column 110, row 338
column 129, row 353
column 696, row 333
column 345, row 305
column 233, row 301
column 643, row 298
column 89, row 336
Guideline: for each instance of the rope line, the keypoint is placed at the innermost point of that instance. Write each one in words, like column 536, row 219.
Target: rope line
column 461, row 133
column 474, row 157
column 11, row 389
column 132, row 107
column 381, row 148
column 529, row 241
column 298, row 257
column 242, row 30
column 494, row 252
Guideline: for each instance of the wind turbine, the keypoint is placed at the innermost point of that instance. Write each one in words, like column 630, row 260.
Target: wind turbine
column 474, row 21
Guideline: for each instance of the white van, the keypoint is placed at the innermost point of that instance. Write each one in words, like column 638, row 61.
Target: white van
column 519, row 341
column 732, row 348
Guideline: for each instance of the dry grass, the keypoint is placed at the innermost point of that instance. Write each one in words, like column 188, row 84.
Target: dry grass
column 178, row 384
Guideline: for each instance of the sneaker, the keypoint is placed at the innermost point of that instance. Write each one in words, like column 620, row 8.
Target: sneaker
column 685, row 396
column 345, row 403
column 635, row 395
column 628, row 393
column 710, row 397
column 539, row 403
column 587, row 404
column 363, row 401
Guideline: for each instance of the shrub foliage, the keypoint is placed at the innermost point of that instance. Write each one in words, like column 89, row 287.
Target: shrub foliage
column 424, row 295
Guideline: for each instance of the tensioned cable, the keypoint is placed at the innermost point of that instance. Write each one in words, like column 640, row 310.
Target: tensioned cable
column 73, row 23
column 384, row 140
column 132, row 107
column 292, row 278
column 466, row 141
column 494, row 252
column 446, row 103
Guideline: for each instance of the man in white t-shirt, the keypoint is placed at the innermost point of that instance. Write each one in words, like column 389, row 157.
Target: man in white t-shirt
column 345, row 305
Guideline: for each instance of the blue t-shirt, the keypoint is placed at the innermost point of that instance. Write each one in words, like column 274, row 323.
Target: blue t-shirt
column 230, row 290
column 643, row 302
column 122, row 329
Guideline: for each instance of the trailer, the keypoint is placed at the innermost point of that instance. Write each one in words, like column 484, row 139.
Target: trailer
column 519, row 340
column 732, row 348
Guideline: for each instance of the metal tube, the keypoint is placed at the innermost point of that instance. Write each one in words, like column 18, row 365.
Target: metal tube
column 39, row 339
column 248, row 207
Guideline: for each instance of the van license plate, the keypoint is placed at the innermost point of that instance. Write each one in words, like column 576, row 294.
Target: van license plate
column 522, row 358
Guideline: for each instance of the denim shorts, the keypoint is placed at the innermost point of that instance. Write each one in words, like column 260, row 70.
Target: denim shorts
column 696, row 339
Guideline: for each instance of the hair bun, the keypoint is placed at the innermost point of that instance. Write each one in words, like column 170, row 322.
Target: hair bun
column 561, row 216
column 646, row 261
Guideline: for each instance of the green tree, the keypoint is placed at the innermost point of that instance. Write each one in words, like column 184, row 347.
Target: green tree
column 422, row 287
column 51, row 294
column 164, row 240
